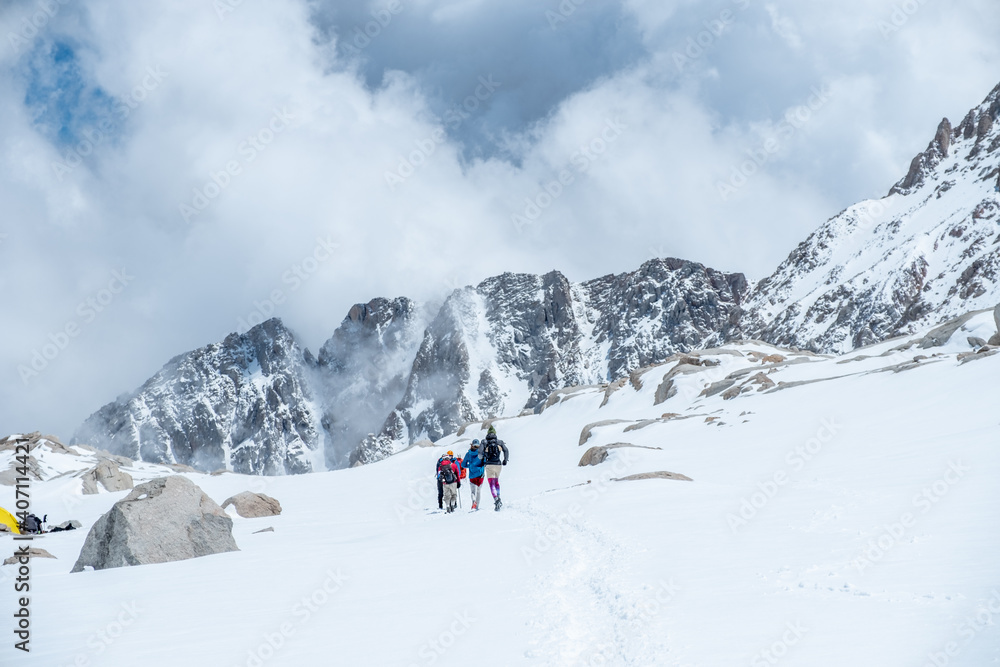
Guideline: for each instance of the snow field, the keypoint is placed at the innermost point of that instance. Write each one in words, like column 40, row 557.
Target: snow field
column 851, row 521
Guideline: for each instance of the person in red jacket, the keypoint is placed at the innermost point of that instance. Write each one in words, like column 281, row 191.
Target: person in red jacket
column 449, row 479
column 450, row 456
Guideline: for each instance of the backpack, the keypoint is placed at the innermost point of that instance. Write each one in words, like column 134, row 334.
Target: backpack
column 32, row 524
column 492, row 450
column 446, row 472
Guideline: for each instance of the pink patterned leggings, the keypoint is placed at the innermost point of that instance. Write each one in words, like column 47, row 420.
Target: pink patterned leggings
column 494, row 487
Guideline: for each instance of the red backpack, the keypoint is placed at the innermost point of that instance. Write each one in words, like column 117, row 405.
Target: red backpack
column 446, row 472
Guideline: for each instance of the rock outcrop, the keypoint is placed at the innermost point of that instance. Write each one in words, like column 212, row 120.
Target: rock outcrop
column 33, row 552
column 166, row 519
column 660, row 474
column 250, row 505
column 107, row 474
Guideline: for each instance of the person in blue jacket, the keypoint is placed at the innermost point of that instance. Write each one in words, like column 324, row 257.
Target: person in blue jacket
column 473, row 462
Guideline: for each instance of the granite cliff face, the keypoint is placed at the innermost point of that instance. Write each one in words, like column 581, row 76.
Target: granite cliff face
column 363, row 371
column 504, row 346
column 245, row 404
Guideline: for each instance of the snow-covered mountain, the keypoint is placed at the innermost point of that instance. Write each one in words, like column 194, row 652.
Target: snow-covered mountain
column 392, row 374
column 246, row 404
column 363, row 371
column 504, row 346
column 260, row 403
column 926, row 252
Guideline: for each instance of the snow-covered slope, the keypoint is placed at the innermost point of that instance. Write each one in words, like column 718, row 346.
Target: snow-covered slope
column 843, row 511
column 926, row 252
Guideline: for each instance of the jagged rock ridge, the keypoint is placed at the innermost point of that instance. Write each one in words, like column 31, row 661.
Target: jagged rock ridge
column 245, row 404
column 504, row 346
column 925, row 253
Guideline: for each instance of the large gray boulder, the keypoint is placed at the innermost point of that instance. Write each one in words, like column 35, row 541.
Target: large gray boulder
column 163, row 520
column 107, row 474
column 250, row 505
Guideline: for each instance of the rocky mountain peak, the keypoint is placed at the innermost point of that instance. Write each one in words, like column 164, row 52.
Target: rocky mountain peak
column 925, row 253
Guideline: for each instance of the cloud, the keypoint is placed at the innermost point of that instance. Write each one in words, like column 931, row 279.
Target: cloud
column 784, row 27
column 282, row 140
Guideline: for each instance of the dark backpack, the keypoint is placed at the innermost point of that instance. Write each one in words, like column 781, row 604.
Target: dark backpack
column 492, row 450
column 446, row 472
column 32, row 524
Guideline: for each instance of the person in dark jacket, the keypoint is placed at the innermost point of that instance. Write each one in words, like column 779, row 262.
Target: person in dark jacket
column 495, row 456
column 473, row 462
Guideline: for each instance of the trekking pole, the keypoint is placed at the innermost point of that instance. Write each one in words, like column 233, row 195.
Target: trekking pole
column 459, row 499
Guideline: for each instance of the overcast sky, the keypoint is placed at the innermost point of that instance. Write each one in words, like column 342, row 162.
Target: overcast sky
column 168, row 167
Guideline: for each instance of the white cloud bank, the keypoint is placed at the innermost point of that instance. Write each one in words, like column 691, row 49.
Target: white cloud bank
column 254, row 163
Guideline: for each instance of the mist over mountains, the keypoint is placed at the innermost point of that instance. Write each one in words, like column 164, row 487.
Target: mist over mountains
column 391, row 374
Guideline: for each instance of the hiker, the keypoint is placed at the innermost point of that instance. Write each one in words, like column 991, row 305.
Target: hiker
column 473, row 462
column 32, row 524
column 492, row 450
column 450, row 456
column 449, row 481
